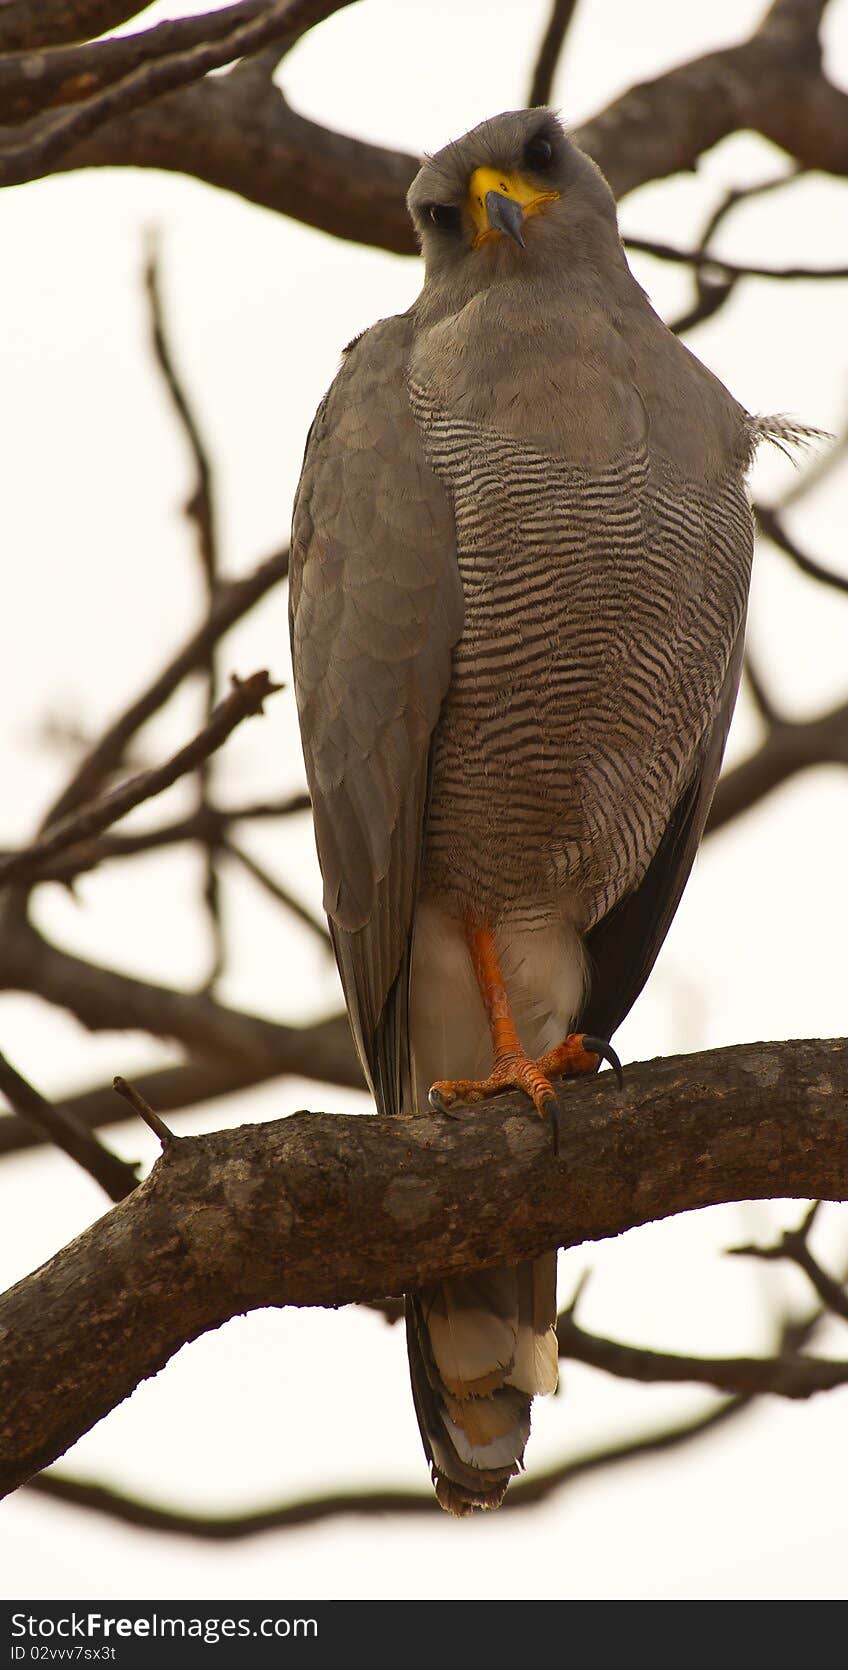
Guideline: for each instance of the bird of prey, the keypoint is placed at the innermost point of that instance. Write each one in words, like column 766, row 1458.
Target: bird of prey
column 519, row 574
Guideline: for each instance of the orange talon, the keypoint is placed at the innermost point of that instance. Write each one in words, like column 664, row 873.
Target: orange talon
column 512, row 1068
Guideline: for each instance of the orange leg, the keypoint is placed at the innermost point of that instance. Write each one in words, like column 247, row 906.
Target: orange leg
column 512, row 1068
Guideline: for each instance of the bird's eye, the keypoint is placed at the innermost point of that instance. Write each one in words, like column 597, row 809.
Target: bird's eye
column 539, row 153
column 444, row 215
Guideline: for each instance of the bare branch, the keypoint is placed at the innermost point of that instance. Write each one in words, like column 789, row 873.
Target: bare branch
column 32, row 81
column 128, row 1510
column 106, row 1000
column 323, row 1051
column 550, row 51
column 278, row 892
column 151, row 1118
column 331, row 1209
column 58, row 1125
column 792, row 1376
column 232, row 601
column 791, row 746
column 701, row 258
column 759, row 694
column 201, row 510
column 794, row 1245
column 769, row 523
column 245, row 699
column 207, row 824
column 714, row 288
column 34, row 23
column 239, row 133
column 42, row 149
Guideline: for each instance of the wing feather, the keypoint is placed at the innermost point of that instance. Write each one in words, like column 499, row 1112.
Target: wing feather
column 624, row 946
column 375, row 610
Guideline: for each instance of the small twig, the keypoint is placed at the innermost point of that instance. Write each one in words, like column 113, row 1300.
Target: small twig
column 208, row 823
column 793, row 1245
column 759, row 694
column 245, row 699
column 712, row 295
column 151, row 1118
column 704, row 258
column 324, row 1049
column 233, row 600
column 713, row 290
column 58, row 1126
column 277, row 891
column 201, row 510
column 550, row 51
column 769, row 522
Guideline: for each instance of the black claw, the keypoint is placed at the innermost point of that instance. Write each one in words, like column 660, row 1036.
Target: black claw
column 598, row 1046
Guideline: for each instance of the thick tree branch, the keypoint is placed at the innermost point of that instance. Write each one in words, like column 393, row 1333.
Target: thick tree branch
column 34, row 23
column 320, row 1209
column 238, row 132
column 48, row 141
column 32, row 81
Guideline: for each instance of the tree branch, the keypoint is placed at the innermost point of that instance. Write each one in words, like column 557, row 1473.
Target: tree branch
column 791, row 1376
column 105, row 1000
column 246, row 698
column 58, row 1125
column 322, row 1051
column 791, row 746
column 32, row 81
column 550, row 51
column 48, row 141
column 200, row 508
column 238, row 132
column 35, row 23
column 128, row 1510
column 769, row 523
column 208, row 824
column 701, row 258
column 232, row 601
column 322, row 1209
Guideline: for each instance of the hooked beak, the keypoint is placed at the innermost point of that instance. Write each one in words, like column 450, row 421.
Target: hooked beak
column 505, row 215
column 500, row 200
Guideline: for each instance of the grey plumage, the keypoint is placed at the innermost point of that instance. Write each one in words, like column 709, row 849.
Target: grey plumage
column 520, row 563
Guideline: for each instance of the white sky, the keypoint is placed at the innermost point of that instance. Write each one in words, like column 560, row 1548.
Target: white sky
column 101, row 583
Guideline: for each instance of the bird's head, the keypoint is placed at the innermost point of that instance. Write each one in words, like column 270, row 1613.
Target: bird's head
column 510, row 196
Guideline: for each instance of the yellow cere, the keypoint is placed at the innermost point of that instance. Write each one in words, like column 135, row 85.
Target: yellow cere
column 510, row 184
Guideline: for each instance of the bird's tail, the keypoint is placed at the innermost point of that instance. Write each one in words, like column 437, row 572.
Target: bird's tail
column 480, row 1348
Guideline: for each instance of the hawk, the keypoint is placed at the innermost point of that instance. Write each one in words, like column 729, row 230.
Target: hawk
column 520, row 564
